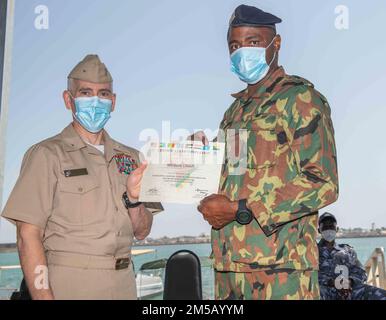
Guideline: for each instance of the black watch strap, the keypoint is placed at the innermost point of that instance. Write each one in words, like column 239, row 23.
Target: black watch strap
column 244, row 215
column 243, row 204
column 127, row 202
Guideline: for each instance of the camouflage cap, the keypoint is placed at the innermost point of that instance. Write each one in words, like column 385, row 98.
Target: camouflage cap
column 91, row 69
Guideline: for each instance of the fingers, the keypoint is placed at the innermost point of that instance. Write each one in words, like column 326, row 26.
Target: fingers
column 206, row 204
column 202, row 208
column 199, row 136
column 207, row 215
column 214, row 222
column 205, row 140
column 142, row 167
column 202, row 205
column 208, row 198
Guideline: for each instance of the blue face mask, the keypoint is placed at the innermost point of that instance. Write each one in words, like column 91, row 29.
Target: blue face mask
column 92, row 112
column 249, row 63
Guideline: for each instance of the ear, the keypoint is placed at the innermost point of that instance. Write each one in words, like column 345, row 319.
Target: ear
column 114, row 98
column 277, row 43
column 68, row 100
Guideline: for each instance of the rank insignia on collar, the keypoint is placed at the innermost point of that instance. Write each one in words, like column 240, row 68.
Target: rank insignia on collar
column 125, row 163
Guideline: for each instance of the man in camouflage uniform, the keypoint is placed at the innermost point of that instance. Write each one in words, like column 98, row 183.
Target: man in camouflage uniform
column 280, row 132
column 341, row 275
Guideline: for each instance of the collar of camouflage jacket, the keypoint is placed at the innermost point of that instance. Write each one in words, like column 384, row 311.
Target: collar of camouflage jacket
column 266, row 83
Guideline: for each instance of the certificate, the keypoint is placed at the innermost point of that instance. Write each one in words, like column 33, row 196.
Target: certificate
column 181, row 172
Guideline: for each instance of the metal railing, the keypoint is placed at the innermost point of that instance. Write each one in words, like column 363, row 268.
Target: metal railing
column 375, row 269
column 374, row 266
column 10, row 267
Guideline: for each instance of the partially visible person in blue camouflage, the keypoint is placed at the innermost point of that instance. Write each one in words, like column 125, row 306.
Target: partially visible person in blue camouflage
column 341, row 275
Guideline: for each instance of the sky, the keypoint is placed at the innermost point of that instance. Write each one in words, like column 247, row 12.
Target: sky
column 170, row 64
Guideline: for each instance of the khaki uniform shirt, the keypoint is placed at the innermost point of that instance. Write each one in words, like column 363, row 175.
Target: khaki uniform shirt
column 74, row 192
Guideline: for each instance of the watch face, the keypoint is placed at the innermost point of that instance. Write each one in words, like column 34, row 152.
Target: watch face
column 244, row 217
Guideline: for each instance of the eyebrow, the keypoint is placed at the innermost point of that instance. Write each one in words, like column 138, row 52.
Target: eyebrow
column 108, row 90
column 89, row 89
column 85, row 89
column 231, row 41
column 257, row 36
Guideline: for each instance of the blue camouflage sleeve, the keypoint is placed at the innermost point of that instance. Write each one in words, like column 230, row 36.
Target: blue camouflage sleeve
column 356, row 271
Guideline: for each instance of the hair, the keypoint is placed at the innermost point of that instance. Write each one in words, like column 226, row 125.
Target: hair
column 70, row 85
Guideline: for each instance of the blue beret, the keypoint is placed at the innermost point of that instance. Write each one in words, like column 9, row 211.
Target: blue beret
column 251, row 16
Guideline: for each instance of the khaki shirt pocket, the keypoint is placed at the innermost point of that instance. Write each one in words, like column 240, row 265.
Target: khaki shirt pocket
column 80, row 201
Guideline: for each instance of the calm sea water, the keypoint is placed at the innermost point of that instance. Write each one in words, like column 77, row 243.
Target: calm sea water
column 11, row 278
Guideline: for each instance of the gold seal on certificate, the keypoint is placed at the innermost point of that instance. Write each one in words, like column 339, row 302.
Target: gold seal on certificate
column 183, row 172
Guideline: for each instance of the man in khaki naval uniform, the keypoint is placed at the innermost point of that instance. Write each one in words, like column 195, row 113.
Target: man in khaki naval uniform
column 75, row 203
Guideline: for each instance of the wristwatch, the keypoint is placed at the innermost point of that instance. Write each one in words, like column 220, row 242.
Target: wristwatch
column 127, row 202
column 243, row 215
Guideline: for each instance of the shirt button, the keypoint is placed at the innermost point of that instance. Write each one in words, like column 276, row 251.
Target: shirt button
column 116, row 208
column 80, row 189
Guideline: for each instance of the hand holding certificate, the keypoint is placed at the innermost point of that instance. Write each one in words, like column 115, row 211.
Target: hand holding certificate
column 182, row 172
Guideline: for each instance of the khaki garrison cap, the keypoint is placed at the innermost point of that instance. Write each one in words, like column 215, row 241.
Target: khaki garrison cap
column 91, row 69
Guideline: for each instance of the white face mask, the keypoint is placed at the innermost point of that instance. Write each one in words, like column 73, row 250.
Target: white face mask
column 329, row 235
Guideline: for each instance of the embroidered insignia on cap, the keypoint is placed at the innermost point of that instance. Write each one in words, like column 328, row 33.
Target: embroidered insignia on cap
column 125, row 163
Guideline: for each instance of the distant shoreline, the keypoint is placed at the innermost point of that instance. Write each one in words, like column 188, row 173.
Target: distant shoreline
column 167, row 244
column 200, row 242
column 7, row 247
column 11, row 247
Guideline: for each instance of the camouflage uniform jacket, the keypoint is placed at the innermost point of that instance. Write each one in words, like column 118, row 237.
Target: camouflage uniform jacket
column 291, row 172
column 340, row 254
